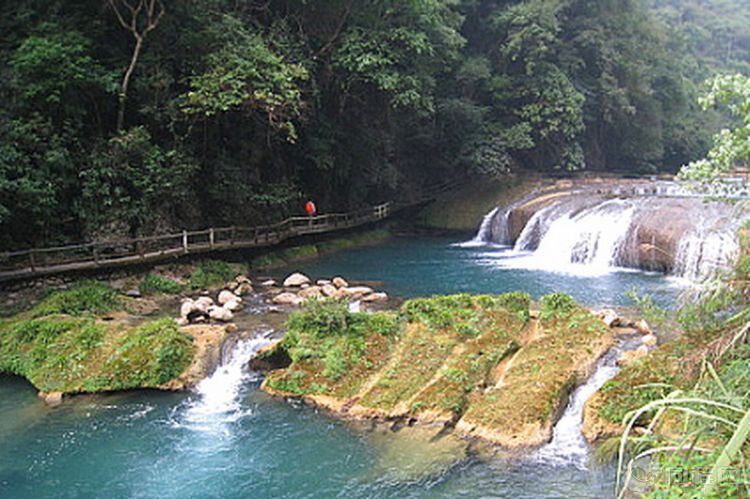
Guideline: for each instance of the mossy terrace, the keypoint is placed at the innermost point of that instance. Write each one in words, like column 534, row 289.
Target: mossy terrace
column 479, row 362
column 61, row 345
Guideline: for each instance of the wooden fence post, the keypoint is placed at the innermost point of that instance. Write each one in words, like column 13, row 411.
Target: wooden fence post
column 184, row 241
column 32, row 261
column 232, row 235
column 95, row 251
column 211, row 237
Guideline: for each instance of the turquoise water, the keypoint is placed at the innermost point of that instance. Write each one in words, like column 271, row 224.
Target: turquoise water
column 243, row 444
column 421, row 267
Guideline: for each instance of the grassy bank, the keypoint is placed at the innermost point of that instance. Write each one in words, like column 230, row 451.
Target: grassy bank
column 442, row 358
column 62, row 345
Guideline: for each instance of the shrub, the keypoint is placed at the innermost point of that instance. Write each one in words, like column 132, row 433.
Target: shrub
column 557, row 305
column 86, row 297
column 154, row 283
column 211, row 273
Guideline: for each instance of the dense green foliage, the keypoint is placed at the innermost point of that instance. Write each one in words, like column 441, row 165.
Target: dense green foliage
column 211, row 273
column 218, row 113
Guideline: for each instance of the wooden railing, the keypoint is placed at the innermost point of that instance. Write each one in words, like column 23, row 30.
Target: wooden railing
column 18, row 264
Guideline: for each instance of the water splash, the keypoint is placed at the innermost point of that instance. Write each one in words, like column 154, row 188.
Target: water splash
column 568, row 447
column 219, row 401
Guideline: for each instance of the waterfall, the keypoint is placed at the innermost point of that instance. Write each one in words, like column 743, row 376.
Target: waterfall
column 568, row 447
column 589, row 233
column 484, row 234
column 218, row 399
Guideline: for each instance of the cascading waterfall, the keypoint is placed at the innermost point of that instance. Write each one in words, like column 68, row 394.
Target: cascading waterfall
column 218, row 399
column 484, row 234
column 568, row 447
column 589, row 233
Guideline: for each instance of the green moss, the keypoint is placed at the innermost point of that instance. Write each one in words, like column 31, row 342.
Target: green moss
column 88, row 297
column 299, row 253
column 265, row 262
column 211, row 273
column 155, row 284
column 77, row 354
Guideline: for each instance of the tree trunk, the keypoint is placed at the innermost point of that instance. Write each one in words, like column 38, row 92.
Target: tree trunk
column 126, row 82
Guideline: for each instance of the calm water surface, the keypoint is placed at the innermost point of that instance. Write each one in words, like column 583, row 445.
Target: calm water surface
column 236, row 442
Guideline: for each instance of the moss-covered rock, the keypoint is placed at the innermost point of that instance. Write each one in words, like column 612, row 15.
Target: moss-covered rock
column 61, row 346
column 480, row 361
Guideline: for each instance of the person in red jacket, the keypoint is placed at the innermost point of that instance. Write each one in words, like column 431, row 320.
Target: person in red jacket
column 310, row 208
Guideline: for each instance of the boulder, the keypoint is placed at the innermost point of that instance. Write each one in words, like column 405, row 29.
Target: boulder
column 287, row 299
column 186, row 307
column 643, row 327
column 328, row 290
column 323, row 282
column 203, row 303
column 649, row 340
column 243, row 279
column 226, row 296
column 296, row 280
column 51, row 398
column 311, row 292
column 610, row 318
column 339, row 282
column 357, row 291
column 133, row 293
column 182, row 321
column 243, row 288
column 233, row 305
column 220, row 314
column 231, row 285
column 373, row 297
column 231, row 328
column 269, row 283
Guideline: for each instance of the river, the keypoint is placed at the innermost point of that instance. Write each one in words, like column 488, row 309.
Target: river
column 227, row 439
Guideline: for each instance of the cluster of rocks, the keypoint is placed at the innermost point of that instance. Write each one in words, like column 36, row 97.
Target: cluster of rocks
column 227, row 302
column 297, row 288
column 648, row 339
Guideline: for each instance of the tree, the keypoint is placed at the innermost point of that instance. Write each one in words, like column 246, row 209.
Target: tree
column 142, row 18
column 731, row 147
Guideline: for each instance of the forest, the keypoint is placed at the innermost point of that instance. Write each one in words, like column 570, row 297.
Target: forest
column 134, row 117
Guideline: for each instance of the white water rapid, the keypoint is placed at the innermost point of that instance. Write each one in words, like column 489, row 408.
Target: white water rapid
column 568, row 447
column 218, row 401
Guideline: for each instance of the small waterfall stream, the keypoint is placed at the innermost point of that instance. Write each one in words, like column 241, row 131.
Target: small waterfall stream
column 568, row 447
column 219, row 394
column 484, row 233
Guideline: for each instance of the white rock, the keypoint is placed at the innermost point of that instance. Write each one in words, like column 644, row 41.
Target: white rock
column 649, row 340
column 328, row 290
column 295, row 280
column 643, row 327
column 311, row 292
column 339, row 282
column 220, row 314
column 323, row 282
column 268, row 284
column 233, row 305
column 182, row 321
column 357, row 290
column 243, row 288
column 287, row 299
column 226, row 296
column 231, row 285
column 186, row 307
column 243, row 279
column 609, row 317
column 203, row 303
column 372, row 297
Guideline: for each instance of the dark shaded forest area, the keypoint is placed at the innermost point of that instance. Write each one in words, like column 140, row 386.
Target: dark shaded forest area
column 133, row 117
